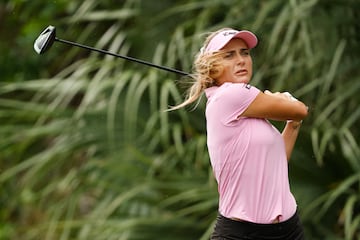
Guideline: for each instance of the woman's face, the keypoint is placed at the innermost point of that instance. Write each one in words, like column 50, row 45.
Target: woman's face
column 236, row 62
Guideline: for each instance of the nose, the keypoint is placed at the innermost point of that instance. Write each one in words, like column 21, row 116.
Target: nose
column 240, row 59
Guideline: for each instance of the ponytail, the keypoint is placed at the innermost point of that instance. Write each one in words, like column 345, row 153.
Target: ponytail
column 207, row 68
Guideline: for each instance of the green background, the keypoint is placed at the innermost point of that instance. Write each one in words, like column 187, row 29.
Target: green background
column 87, row 152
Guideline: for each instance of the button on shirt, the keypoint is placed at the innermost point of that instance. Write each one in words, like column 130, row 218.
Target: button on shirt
column 247, row 156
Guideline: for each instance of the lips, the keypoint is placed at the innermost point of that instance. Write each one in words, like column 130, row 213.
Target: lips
column 241, row 72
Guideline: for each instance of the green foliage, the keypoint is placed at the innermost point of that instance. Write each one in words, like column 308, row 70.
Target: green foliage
column 87, row 151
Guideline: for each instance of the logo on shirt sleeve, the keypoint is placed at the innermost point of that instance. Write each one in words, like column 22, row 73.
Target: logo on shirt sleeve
column 247, row 86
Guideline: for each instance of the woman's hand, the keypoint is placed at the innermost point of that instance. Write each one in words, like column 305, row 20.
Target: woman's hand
column 286, row 95
column 283, row 95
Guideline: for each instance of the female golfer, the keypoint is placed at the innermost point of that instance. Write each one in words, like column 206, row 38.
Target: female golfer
column 248, row 155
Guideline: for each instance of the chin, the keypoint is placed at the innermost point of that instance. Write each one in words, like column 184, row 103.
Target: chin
column 246, row 81
column 242, row 79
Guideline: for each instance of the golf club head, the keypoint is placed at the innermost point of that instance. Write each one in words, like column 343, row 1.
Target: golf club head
column 45, row 40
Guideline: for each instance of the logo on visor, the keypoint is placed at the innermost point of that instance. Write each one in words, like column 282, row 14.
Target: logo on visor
column 229, row 33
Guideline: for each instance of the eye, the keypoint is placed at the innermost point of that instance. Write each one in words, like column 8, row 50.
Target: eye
column 245, row 52
column 228, row 55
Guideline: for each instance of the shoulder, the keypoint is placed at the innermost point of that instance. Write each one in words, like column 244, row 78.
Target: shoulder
column 229, row 93
column 237, row 86
column 238, row 90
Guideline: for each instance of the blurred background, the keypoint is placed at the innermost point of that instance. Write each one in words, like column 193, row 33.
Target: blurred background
column 87, row 152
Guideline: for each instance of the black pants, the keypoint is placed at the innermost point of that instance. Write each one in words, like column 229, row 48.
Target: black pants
column 228, row 229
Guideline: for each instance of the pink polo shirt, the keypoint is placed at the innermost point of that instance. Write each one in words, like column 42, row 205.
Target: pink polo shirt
column 248, row 158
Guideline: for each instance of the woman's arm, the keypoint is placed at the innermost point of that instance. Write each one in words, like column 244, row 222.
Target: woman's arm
column 281, row 107
column 276, row 106
column 290, row 134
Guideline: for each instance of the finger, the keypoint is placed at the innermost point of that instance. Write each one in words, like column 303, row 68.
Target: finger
column 291, row 97
column 267, row 92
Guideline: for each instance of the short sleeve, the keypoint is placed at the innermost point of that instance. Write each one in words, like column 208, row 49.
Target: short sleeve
column 234, row 99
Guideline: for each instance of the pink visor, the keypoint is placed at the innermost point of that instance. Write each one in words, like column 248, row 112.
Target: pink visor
column 223, row 37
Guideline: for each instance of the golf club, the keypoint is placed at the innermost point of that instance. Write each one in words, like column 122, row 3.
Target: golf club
column 48, row 36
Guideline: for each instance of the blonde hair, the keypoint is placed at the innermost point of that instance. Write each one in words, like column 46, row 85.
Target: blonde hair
column 207, row 68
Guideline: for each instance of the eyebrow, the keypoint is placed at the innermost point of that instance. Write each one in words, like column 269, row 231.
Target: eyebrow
column 234, row 50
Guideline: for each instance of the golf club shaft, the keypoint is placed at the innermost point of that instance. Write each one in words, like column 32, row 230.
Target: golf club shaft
column 122, row 56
